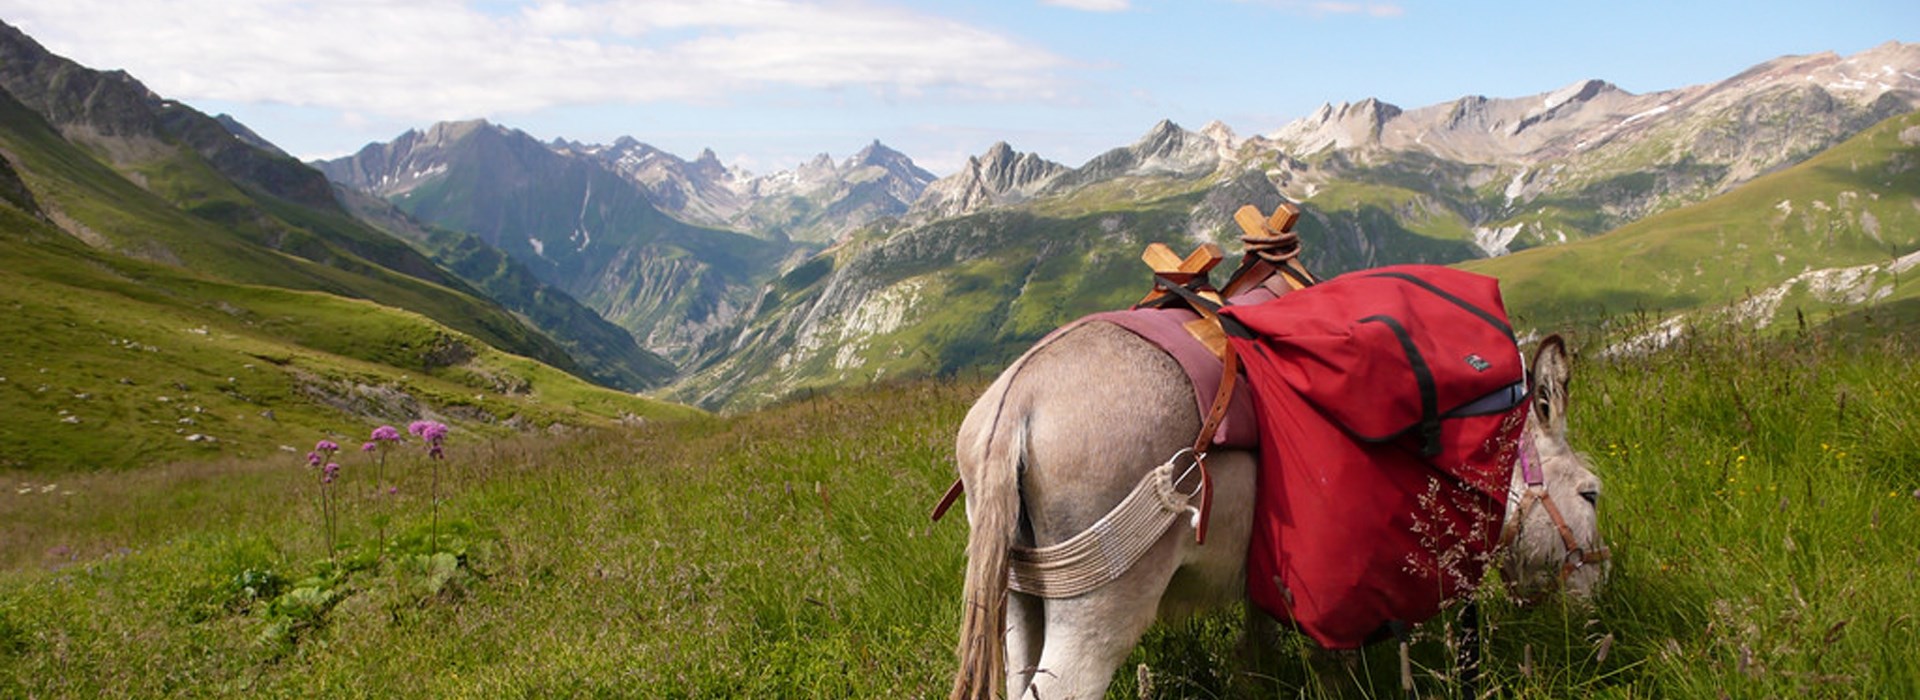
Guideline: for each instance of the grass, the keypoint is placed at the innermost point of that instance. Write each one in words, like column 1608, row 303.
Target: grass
column 1758, row 502
column 736, row 558
column 162, row 359
column 214, row 229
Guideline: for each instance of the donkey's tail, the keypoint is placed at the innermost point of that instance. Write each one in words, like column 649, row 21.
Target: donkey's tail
column 993, row 510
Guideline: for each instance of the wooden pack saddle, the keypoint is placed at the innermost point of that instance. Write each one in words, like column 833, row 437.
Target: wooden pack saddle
column 1269, row 268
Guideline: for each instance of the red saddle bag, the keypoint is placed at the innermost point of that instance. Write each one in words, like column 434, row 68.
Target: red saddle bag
column 1390, row 405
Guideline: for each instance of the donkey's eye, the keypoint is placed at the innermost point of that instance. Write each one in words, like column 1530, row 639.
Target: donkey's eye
column 1592, row 497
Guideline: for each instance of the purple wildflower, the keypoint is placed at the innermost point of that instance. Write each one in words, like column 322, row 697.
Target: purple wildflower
column 369, row 446
column 328, row 473
column 313, row 459
column 386, row 433
column 327, row 446
column 430, row 431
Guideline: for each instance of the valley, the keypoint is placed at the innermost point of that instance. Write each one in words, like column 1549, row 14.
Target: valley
column 688, row 419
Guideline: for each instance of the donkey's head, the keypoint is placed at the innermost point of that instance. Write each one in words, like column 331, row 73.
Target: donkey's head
column 1551, row 507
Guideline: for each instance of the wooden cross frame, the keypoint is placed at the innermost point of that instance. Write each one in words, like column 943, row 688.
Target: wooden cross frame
column 1270, row 244
column 1177, row 270
column 1258, row 226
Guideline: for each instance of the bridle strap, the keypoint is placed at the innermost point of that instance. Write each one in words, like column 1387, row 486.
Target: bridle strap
column 1530, row 468
column 1537, row 493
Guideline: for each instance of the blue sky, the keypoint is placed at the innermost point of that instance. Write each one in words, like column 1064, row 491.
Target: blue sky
column 769, row 83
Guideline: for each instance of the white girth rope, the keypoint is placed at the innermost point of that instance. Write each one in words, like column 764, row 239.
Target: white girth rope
column 1110, row 546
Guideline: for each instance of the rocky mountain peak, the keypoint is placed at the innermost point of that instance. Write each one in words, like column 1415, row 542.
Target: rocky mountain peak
column 1347, row 125
column 1567, row 102
column 1164, row 139
column 997, row 177
column 132, row 126
column 1226, row 143
column 1167, row 148
column 103, row 108
column 998, row 152
column 1582, row 91
column 875, row 153
column 903, row 179
column 444, row 133
column 1220, row 133
column 707, row 166
column 246, row 135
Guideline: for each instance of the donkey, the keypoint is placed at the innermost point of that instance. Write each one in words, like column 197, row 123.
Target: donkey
column 1068, row 431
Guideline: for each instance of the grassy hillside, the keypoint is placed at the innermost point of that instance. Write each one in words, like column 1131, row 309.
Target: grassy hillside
column 1759, row 502
column 188, row 216
column 966, row 293
column 114, row 363
column 587, row 230
column 1851, row 206
column 605, row 353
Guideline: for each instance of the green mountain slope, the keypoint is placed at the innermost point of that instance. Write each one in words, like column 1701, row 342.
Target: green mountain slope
column 135, row 174
column 970, row 293
column 606, row 353
column 171, row 297
column 1828, row 235
column 115, row 363
column 579, row 226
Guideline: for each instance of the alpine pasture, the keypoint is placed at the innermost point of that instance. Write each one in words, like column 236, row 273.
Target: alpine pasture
column 1762, row 499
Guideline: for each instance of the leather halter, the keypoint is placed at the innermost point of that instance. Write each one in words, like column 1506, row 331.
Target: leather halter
column 1536, row 492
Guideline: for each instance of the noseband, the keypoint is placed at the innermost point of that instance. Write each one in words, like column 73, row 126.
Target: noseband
column 1536, row 493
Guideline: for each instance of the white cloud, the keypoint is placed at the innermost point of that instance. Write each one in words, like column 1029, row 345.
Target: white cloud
column 1090, row 5
column 1382, row 10
column 438, row 59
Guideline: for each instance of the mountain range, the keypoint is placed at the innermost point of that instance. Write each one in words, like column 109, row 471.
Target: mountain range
column 178, row 286
column 888, row 271
column 638, row 269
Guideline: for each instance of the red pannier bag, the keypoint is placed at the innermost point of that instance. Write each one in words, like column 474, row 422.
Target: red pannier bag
column 1391, row 403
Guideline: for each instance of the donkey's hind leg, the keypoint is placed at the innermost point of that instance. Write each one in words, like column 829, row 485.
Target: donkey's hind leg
column 1089, row 636
column 1026, row 628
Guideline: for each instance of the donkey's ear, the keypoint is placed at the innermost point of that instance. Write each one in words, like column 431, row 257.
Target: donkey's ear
column 1552, row 368
column 1551, row 365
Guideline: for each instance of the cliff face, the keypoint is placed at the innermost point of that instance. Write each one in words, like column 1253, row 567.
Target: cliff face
column 999, row 177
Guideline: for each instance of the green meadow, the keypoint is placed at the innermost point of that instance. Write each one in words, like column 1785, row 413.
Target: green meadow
column 1760, row 499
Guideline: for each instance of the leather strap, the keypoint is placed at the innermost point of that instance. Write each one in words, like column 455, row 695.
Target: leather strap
column 1537, row 493
column 1576, row 556
column 953, row 494
column 1230, row 366
column 1253, row 272
column 1222, row 399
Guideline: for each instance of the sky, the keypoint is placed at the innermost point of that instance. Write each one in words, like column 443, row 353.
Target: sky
column 768, row 84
